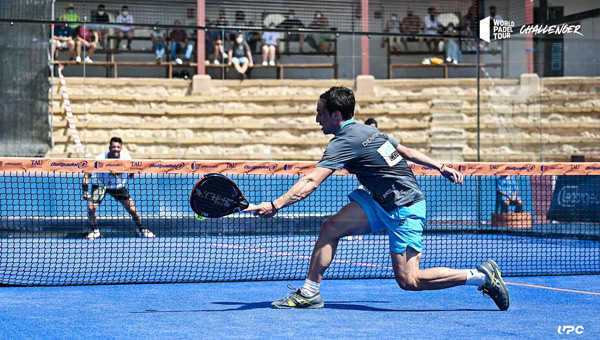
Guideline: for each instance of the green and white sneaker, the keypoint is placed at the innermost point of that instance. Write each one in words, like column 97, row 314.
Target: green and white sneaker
column 296, row 300
column 494, row 286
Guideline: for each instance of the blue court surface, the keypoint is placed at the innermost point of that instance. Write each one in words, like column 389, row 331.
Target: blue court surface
column 354, row 309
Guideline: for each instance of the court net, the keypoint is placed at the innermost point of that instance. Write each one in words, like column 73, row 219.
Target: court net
column 44, row 223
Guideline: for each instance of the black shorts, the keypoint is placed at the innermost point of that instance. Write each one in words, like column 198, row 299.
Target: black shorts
column 98, row 194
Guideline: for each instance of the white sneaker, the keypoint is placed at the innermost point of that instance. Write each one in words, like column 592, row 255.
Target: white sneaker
column 78, row 59
column 265, row 63
column 88, row 60
column 272, row 63
column 217, row 62
column 144, row 233
column 94, row 234
column 225, row 55
column 178, row 61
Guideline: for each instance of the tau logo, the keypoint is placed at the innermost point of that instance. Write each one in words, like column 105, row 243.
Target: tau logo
column 136, row 165
column 494, row 166
column 570, row 329
column 231, row 165
column 35, row 163
column 574, row 167
column 82, row 165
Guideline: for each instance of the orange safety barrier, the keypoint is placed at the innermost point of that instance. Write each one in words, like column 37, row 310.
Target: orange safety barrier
column 272, row 167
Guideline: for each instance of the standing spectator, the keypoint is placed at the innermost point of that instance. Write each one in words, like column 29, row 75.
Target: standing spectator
column 496, row 44
column 392, row 26
column 87, row 38
column 240, row 20
column 101, row 17
column 70, row 16
column 470, row 27
column 159, row 46
column 240, row 56
column 63, row 38
column 125, row 18
column 269, row 47
column 318, row 41
column 411, row 24
column 432, row 25
column 254, row 37
column 179, row 41
column 292, row 22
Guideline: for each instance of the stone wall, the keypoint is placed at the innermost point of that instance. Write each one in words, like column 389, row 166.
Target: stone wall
column 525, row 119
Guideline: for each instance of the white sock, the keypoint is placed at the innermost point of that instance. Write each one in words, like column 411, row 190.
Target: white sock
column 475, row 277
column 310, row 288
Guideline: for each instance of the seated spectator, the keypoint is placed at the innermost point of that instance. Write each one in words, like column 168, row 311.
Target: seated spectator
column 411, row 24
column 452, row 50
column 63, row 38
column 496, row 45
column 101, row 17
column 392, row 26
column 432, row 27
column 269, row 47
column 69, row 16
column 470, row 28
column 292, row 22
column 240, row 56
column 371, row 121
column 507, row 194
column 222, row 38
column 179, row 41
column 318, row 41
column 159, row 45
column 125, row 31
column 87, row 38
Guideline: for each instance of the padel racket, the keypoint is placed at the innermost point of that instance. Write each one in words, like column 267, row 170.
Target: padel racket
column 216, row 195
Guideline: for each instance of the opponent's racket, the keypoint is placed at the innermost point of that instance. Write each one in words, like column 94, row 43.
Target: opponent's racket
column 216, row 195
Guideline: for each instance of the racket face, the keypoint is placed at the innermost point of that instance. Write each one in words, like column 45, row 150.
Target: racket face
column 215, row 195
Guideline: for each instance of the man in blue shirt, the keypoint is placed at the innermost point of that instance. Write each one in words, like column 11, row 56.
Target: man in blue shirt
column 507, row 194
column 392, row 201
column 63, row 38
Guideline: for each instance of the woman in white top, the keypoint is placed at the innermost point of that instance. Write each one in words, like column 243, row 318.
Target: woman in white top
column 269, row 47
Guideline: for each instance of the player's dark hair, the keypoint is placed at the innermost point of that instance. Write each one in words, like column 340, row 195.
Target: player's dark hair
column 341, row 99
column 116, row 139
column 371, row 121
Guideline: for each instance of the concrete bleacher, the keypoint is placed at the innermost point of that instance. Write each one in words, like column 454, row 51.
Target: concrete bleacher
column 275, row 119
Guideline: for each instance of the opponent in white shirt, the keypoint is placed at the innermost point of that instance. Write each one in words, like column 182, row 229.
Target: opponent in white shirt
column 113, row 184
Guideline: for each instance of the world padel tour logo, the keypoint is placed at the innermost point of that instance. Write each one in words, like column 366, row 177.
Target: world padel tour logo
column 491, row 29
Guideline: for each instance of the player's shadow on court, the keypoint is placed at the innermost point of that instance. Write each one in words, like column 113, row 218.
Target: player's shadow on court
column 344, row 305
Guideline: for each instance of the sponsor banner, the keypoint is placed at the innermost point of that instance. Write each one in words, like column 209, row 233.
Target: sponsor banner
column 576, row 198
column 278, row 168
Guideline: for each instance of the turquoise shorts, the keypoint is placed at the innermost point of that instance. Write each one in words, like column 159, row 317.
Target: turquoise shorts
column 404, row 224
